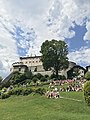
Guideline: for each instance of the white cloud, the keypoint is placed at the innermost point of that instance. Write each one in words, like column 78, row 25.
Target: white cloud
column 81, row 57
column 87, row 35
column 50, row 19
column 3, row 71
column 69, row 12
column 8, row 49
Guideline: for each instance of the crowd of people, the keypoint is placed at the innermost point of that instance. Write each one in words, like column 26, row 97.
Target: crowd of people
column 52, row 93
column 56, row 86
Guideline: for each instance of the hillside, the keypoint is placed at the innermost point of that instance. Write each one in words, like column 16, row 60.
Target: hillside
column 36, row 107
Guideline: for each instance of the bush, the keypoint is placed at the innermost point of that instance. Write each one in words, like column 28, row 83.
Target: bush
column 52, row 76
column 4, row 89
column 35, row 79
column 28, row 74
column 87, row 92
column 40, row 91
column 39, row 76
column 46, row 76
column 17, row 91
column 27, row 91
column 0, row 92
column 43, row 79
column 87, row 75
column 5, row 95
column 61, row 77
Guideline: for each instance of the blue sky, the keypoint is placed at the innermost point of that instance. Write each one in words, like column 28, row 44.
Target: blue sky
column 77, row 41
column 26, row 24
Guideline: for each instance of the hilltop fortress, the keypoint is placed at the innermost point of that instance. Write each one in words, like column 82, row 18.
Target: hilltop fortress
column 35, row 65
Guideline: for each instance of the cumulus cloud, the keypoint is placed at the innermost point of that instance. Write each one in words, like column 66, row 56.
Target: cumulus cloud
column 87, row 35
column 81, row 56
column 24, row 25
column 8, row 49
column 3, row 71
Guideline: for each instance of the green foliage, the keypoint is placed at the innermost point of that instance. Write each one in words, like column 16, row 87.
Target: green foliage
column 52, row 76
column 35, row 79
column 27, row 91
column 54, row 55
column 40, row 91
column 46, row 76
column 70, row 74
column 1, row 79
column 4, row 95
column 87, row 75
column 15, row 76
column 28, row 75
column 21, row 78
column 17, row 91
column 20, row 91
column 39, row 76
column 87, row 92
column 0, row 82
column 62, row 77
column 76, row 72
column 43, row 79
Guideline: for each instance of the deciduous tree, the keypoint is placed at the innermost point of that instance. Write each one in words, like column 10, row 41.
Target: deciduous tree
column 54, row 55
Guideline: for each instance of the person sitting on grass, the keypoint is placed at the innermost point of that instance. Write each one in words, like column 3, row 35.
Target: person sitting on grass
column 52, row 94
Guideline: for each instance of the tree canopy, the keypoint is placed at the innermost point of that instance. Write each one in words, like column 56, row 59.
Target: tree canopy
column 87, row 92
column 87, row 75
column 54, row 55
column 1, row 78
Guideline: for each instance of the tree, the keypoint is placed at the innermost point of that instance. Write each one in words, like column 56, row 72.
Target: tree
column 15, row 77
column 87, row 92
column 74, row 72
column 87, row 75
column 1, row 82
column 28, row 74
column 35, row 79
column 39, row 76
column 0, row 79
column 43, row 79
column 54, row 55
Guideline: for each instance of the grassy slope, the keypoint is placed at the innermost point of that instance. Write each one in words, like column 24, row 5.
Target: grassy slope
column 40, row 108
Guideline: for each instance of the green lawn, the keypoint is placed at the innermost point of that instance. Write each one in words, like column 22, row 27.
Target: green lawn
column 36, row 107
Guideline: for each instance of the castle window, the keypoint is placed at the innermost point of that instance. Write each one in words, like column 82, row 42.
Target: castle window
column 19, row 68
column 33, row 61
column 35, row 70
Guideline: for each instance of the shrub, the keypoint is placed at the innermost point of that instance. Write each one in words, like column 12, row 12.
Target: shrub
column 17, row 91
column 35, row 79
column 4, row 89
column 39, row 76
column 62, row 77
column 43, row 79
column 52, row 76
column 5, row 95
column 87, row 92
column 40, row 91
column 27, row 91
column 28, row 74
column 11, row 92
column 87, row 75
column 46, row 76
